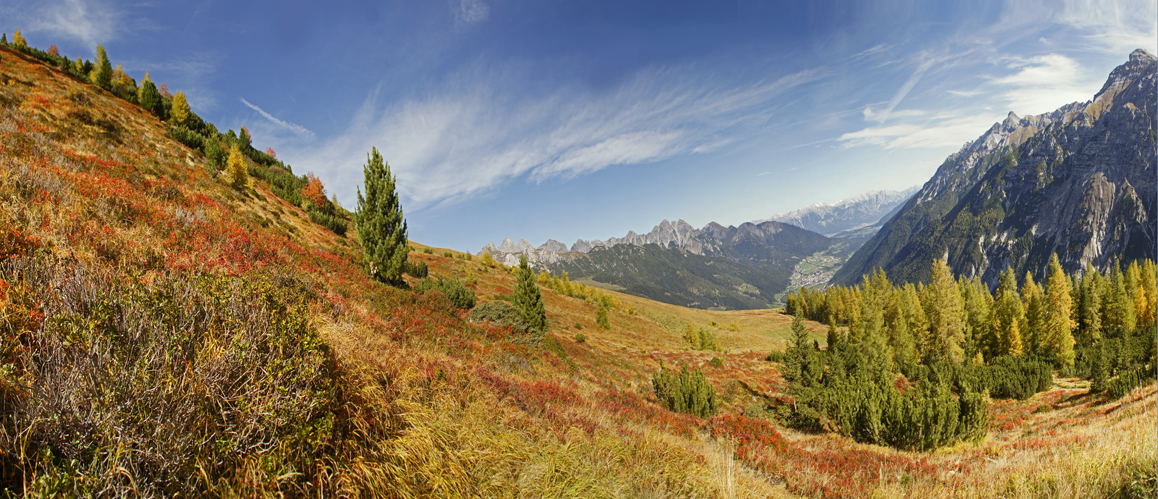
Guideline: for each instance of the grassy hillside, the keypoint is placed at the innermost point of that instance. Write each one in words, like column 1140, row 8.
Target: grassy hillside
column 167, row 334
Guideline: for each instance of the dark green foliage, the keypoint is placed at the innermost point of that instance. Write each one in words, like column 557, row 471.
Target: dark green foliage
column 214, row 154
column 381, row 227
column 775, row 356
column 1128, row 380
column 803, row 365
column 1007, row 377
column 686, row 392
column 428, row 251
column 416, row 269
column 335, row 223
column 501, row 313
column 150, row 99
column 527, row 297
column 454, row 290
column 191, row 139
column 716, row 362
column 580, row 338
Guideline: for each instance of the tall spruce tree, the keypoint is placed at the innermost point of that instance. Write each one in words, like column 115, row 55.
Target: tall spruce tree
column 381, row 227
column 528, row 300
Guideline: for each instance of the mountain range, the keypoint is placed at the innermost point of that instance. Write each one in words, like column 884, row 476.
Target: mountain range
column 849, row 217
column 1079, row 182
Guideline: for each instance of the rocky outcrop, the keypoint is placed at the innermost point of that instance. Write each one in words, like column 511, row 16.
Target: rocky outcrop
column 1079, row 182
column 679, row 234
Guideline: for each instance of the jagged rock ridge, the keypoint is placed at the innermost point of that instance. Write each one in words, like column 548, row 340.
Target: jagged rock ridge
column 1079, row 181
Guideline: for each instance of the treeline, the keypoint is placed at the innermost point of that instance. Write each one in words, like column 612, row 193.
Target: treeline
column 1074, row 321
column 914, row 365
column 223, row 151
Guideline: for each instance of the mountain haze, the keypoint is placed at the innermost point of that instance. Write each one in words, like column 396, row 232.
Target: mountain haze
column 847, row 215
column 1079, row 182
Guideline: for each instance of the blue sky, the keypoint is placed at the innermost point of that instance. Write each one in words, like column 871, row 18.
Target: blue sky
column 586, row 119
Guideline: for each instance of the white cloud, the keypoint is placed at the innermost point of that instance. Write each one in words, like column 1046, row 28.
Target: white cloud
column 944, row 131
column 1044, row 83
column 298, row 130
column 469, row 137
column 88, row 22
column 1114, row 26
column 469, row 11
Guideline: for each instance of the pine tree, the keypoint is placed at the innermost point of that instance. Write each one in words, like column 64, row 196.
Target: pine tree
column 1118, row 317
column 529, row 301
column 1059, row 339
column 1033, row 298
column 1149, row 290
column 381, row 227
column 180, row 109
column 238, row 170
column 103, row 73
column 946, row 315
column 1089, row 314
column 149, row 98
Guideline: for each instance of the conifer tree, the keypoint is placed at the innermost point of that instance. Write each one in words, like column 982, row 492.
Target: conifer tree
column 1149, row 291
column 1059, row 340
column 103, row 73
column 149, row 98
column 799, row 357
column 1134, row 288
column 18, row 39
column 381, row 227
column 1118, row 317
column 946, row 315
column 1089, row 307
column 528, row 300
column 1033, row 298
column 238, row 170
column 180, row 108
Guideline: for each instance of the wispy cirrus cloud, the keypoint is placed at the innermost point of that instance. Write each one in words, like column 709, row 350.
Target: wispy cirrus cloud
column 1028, row 86
column 1113, row 26
column 476, row 134
column 86, row 21
column 293, row 128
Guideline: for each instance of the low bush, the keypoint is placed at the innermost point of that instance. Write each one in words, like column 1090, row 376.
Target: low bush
column 686, row 392
column 415, row 269
column 775, row 356
column 335, row 224
column 454, row 290
column 191, row 139
column 716, row 362
column 186, row 382
column 580, row 338
column 499, row 313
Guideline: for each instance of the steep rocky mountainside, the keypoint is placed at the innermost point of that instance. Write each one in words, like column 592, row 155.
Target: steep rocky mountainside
column 1079, row 181
column 848, row 215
